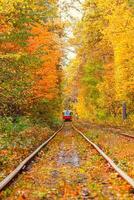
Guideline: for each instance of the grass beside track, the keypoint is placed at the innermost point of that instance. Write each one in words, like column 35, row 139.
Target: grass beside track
column 16, row 146
column 119, row 148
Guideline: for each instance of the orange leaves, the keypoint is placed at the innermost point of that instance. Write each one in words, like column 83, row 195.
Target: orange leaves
column 30, row 53
column 47, row 75
column 4, row 26
column 41, row 38
column 70, row 191
column 4, row 152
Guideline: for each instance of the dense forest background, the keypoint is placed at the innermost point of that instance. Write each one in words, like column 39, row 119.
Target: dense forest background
column 30, row 56
column 59, row 54
column 100, row 79
column 102, row 73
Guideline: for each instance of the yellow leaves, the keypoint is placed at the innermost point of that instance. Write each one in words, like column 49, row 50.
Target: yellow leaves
column 120, row 33
column 15, row 56
column 105, row 35
column 124, row 67
column 7, row 6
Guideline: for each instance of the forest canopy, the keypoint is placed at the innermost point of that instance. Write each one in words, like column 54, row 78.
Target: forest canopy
column 30, row 53
column 104, row 62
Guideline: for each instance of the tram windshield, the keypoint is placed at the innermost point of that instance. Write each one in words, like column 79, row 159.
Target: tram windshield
column 67, row 112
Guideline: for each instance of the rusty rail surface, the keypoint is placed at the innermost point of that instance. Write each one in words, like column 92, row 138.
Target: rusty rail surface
column 130, row 136
column 122, row 174
column 126, row 135
column 20, row 167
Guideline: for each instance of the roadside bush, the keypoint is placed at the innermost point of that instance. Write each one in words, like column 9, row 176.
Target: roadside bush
column 9, row 124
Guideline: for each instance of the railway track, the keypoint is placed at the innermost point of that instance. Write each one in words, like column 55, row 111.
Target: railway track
column 12, row 175
column 108, row 159
column 5, row 182
column 129, row 136
column 126, row 135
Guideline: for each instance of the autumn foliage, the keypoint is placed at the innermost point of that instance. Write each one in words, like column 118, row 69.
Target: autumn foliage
column 103, row 40
column 46, row 77
column 30, row 56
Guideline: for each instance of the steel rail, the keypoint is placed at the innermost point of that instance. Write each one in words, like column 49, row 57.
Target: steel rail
column 122, row 174
column 117, row 133
column 18, row 169
column 126, row 135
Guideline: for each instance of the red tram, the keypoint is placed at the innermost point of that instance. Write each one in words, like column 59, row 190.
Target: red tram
column 67, row 115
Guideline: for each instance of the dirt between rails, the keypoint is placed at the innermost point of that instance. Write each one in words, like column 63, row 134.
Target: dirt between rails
column 68, row 169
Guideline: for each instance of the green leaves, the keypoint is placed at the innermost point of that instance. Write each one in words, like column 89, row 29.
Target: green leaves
column 92, row 77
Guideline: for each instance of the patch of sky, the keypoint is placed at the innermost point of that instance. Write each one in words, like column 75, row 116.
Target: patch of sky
column 71, row 13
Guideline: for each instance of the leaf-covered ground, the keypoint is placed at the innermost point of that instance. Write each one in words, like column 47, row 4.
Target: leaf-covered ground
column 15, row 146
column 68, row 168
column 119, row 148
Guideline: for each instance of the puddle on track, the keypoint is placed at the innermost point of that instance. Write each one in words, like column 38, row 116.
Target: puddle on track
column 68, row 154
column 68, row 157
